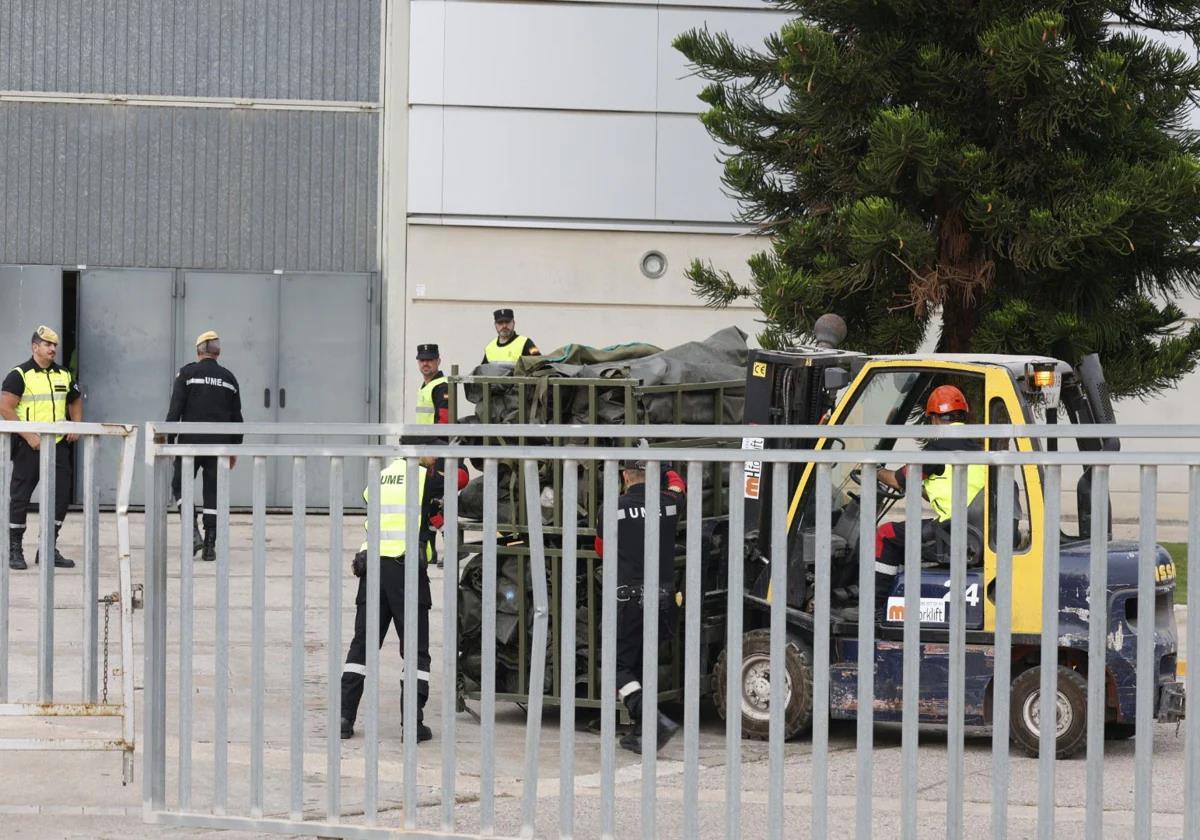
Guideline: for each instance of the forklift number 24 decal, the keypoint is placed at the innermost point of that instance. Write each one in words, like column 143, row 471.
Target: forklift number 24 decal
column 933, row 610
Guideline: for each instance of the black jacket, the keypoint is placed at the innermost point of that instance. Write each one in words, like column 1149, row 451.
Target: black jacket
column 205, row 392
column 631, row 534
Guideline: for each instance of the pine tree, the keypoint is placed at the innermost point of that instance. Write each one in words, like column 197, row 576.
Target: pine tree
column 1015, row 175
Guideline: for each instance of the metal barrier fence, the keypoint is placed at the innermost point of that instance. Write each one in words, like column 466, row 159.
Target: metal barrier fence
column 1124, row 685
column 93, row 700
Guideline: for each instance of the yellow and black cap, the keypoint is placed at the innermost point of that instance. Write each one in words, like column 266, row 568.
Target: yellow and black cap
column 502, row 315
column 427, row 351
column 45, row 334
column 207, row 335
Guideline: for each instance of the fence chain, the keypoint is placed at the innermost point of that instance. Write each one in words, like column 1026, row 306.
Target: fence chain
column 107, row 601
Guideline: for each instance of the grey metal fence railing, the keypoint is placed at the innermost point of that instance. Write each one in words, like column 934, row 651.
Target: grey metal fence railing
column 44, row 699
column 1113, row 666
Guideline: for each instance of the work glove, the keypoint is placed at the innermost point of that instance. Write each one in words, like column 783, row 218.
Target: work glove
column 359, row 564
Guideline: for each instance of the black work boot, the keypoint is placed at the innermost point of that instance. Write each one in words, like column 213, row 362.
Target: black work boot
column 210, row 546
column 60, row 562
column 424, row 733
column 664, row 731
column 16, row 554
column 347, row 729
column 632, row 740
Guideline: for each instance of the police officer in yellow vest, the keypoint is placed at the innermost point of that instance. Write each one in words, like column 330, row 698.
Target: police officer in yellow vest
column 508, row 346
column 394, row 486
column 433, row 406
column 433, row 402
column 946, row 406
column 39, row 391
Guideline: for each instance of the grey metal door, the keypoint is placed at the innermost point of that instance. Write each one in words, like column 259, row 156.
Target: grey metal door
column 126, row 358
column 29, row 295
column 325, row 346
column 244, row 310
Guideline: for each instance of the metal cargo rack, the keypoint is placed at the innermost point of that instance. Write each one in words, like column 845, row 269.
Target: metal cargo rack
column 541, row 399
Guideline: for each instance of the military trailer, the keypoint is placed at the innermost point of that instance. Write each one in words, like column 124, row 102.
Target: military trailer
column 617, row 397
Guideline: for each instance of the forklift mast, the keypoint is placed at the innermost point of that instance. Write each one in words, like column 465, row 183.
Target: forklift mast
column 795, row 387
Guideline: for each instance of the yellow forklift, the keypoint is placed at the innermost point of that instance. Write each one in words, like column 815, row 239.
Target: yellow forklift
column 821, row 384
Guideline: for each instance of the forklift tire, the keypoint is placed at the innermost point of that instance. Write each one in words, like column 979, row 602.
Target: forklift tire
column 756, row 686
column 1071, row 735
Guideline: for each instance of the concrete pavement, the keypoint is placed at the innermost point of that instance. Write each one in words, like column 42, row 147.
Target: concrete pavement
column 80, row 794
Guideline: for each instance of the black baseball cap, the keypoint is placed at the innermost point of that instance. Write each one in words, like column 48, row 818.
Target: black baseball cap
column 502, row 315
column 427, row 351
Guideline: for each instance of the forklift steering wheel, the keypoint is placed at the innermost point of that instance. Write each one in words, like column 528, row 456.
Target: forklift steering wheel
column 882, row 491
column 888, row 493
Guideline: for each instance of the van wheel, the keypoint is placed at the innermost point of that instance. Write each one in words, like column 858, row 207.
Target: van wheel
column 756, row 686
column 1070, row 713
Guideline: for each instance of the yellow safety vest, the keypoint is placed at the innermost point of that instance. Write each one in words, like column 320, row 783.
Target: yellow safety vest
column 393, row 507
column 938, row 488
column 426, row 410
column 45, row 397
column 497, row 352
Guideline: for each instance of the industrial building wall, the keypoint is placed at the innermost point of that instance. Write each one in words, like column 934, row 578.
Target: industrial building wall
column 171, row 167
column 156, row 186
column 551, row 146
column 223, row 134
column 249, row 49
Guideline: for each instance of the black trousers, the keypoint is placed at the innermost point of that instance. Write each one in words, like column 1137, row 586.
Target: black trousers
column 630, row 636
column 25, row 476
column 208, row 492
column 391, row 611
column 889, row 554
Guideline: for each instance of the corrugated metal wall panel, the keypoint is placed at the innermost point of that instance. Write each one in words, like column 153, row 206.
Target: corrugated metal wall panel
column 251, row 49
column 188, row 187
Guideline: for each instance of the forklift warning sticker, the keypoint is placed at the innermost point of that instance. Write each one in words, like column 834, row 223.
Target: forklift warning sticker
column 753, row 468
column 933, row 610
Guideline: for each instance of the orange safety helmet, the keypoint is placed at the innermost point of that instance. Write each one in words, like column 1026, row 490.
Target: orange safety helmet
column 946, row 399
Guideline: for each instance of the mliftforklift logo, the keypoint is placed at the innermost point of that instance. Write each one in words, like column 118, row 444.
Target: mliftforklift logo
column 933, row 610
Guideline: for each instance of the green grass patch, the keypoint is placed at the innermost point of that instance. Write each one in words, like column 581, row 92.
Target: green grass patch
column 1178, row 552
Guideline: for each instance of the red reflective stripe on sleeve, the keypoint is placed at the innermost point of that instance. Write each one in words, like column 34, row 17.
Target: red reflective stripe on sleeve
column 600, row 546
column 443, row 415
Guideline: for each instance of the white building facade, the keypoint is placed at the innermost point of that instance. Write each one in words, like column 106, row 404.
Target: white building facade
column 549, row 148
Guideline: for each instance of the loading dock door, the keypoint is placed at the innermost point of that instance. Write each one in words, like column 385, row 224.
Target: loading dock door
column 30, row 295
column 324, row 366
column 126, row 363
column 244, row 310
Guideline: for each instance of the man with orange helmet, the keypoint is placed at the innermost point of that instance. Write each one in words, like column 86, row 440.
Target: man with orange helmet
column 946, row 406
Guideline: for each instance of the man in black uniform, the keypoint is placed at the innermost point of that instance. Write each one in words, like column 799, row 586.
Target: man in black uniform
column 631, row 554
column 39, row 391
column 205, row 392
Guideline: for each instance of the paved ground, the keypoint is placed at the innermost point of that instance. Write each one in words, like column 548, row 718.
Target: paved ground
column 80, row 795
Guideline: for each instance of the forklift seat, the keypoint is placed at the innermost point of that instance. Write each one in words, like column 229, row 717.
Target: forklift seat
column 937, row 550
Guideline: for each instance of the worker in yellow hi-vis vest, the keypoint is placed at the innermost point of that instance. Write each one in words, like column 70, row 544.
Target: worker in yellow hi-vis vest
column 39, row 391
column 394, row 486
column 433, row 406
column 507, row 346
